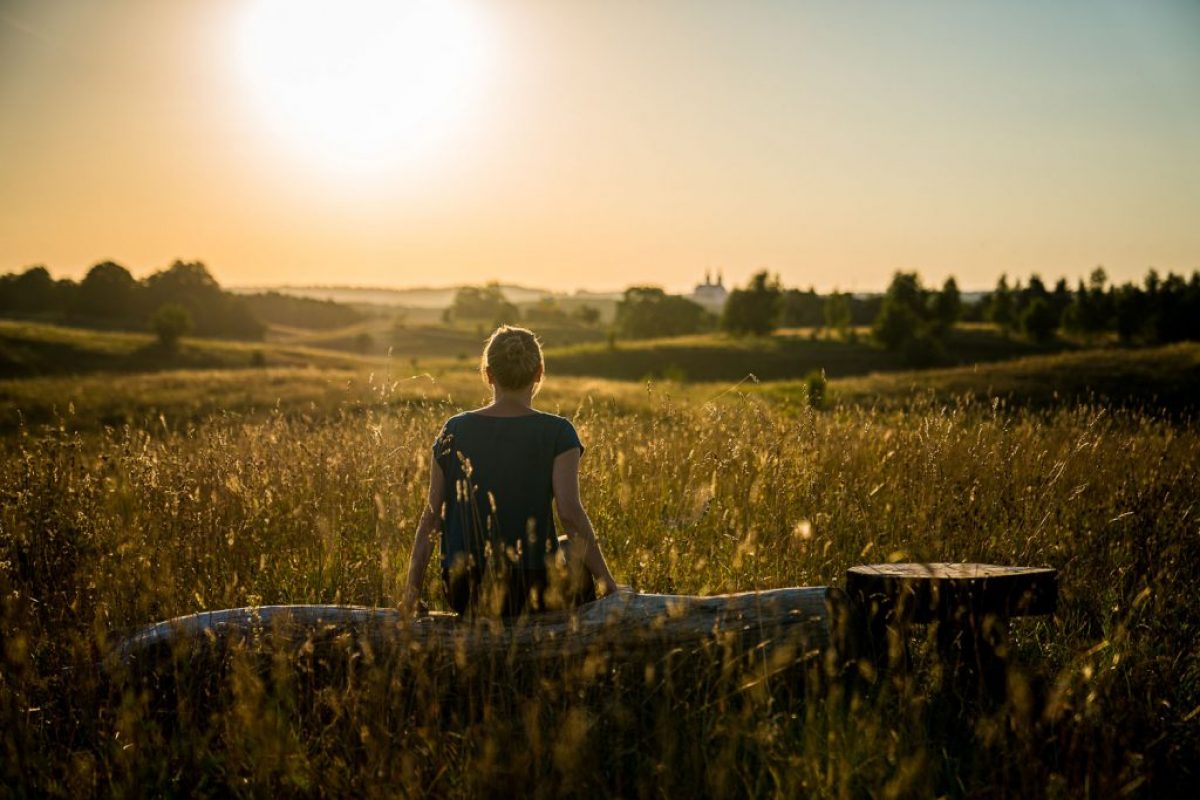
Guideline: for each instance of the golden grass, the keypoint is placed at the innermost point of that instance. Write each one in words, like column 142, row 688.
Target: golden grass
column 315, row 501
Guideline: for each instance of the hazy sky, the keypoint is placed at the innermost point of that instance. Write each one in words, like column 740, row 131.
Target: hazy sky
column 601, row 144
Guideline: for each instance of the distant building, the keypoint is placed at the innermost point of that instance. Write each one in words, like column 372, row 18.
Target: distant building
column 710, row 295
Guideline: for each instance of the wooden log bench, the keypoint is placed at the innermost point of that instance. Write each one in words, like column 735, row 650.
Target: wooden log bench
column 971, row 603
column 785, row 624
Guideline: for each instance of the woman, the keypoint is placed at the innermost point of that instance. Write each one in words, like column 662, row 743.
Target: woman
column 494, row 473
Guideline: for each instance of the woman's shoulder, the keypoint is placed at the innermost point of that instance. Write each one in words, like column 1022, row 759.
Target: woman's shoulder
column 563, row 434
column 555, row 420
column 451, row 423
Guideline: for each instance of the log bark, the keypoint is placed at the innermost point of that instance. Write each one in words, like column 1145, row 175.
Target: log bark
column 625, row 624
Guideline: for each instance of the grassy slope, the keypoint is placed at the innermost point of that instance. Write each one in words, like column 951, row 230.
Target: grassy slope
column 1161, row 377
column 31, row 349
column 714, row 357
column 410, row 340
column 182, row 397
column 1164, row 378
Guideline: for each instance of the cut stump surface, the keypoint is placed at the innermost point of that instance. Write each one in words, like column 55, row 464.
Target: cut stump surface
column 933, row 592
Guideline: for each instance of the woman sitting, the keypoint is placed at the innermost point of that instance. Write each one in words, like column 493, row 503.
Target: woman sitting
column 494, row 474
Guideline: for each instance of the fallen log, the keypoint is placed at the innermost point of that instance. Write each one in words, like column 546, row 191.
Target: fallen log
column 623, row 624
column 970, row 603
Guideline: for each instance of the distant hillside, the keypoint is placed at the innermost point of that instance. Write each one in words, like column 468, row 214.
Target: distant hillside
column 420, row 297
column 274, row 308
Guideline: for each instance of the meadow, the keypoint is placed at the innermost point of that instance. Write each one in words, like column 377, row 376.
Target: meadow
column 128, row 499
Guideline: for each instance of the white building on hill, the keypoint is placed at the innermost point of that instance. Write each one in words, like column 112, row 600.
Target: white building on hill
column 711, row 296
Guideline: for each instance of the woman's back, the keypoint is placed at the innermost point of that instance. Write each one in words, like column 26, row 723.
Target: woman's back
column 498, row 475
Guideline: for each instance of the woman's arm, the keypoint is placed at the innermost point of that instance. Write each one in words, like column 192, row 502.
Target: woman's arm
column 575, row 519
column 431, row 518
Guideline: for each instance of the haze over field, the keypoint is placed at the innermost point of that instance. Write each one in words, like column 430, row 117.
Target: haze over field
column 600, row 145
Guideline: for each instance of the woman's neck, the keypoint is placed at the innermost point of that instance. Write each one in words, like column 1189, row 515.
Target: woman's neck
column 510, row 403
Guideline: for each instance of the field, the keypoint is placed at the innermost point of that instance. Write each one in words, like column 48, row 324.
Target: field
column 34, row 348
column 133, row 497
column 787, row 354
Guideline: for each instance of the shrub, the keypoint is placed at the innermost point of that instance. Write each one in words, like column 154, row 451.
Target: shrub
column 170, row 323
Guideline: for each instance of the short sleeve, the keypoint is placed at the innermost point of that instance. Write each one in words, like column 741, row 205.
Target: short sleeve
column 442, row 446
column 566, row 439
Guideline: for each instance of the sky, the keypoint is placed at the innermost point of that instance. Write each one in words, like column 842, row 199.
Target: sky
column 599, row 145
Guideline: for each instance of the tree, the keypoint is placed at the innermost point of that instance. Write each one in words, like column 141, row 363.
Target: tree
column 170, row 323
column 802, row 309
column 34, row 292
column 108, row 291
column 1001, row 309
column 647, row 311
column 1036, row 289
column 1038, row 320
column 214, row 312
column 947, row 307
column 904, row 313
column 755, row 309
column 1173, row 316
column 1061, row 297
column 1091, row 309
column 484, row 304
column 837, row 313
column 1129, row 304
column 896, row 324
column 907, row 322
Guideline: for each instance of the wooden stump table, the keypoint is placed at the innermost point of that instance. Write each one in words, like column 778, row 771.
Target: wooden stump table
column 971, row 604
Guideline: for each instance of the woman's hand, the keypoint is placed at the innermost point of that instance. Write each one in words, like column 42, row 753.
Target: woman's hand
column 611, row 587
column 412, row 605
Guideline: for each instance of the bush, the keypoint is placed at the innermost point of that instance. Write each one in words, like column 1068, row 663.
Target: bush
column 170, row 323
column 817, row 386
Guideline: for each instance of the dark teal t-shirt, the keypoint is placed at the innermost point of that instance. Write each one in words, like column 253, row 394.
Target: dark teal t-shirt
column 499, row 486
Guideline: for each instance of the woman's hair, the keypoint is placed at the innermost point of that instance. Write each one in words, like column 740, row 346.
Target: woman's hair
column 513, row 355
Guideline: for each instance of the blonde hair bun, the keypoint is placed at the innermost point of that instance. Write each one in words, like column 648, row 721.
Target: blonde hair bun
column 514, row 356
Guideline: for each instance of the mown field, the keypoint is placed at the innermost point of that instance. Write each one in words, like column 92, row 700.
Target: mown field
column 132, row 498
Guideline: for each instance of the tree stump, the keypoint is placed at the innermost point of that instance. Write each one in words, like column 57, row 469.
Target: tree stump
column 971, row 604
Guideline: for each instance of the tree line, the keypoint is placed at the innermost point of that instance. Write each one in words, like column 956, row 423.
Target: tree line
column 914, row 320
column 908, row 318
column 1156, row 311
column 487, row 304
column 180, row 299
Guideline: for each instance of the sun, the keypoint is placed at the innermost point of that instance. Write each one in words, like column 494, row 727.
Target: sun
column 361, row 86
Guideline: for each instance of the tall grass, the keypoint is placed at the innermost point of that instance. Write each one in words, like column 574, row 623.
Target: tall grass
column 106, row 530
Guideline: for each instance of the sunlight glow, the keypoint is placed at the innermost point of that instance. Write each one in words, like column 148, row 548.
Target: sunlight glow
column 360, row 86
